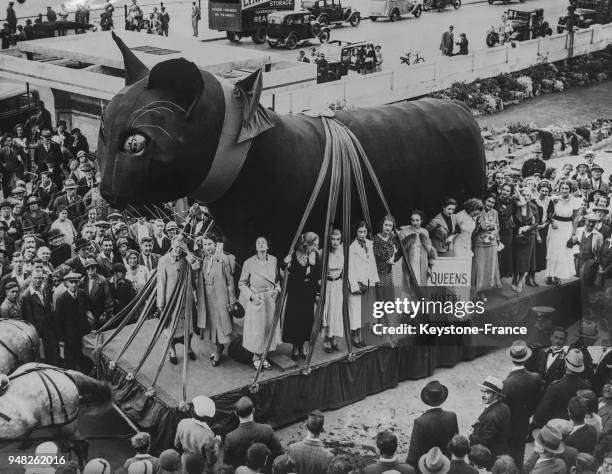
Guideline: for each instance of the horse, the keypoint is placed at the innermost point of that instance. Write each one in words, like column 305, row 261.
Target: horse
column 19, row 343
column 42, row 396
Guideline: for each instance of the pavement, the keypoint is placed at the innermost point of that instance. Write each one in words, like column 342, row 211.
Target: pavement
column 422, row 34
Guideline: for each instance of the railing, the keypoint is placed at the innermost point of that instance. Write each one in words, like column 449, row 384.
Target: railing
column 404, row 82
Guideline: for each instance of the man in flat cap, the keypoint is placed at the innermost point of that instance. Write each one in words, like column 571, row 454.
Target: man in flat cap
column 248, row 432
column 11, row 306
column 194, row 435
column 435, row 427
column 492, row 427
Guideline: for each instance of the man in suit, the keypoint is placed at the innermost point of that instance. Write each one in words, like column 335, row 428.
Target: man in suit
column 88, row 181
column 147, row 257
column 597, row 183
column 36, row 309
column 583, row 437
column 493, row 425
column 194, row 436
column 386, row 442
column 548, row 445
column 522, row 390
column 78, row 262
column 47, row 150
column 435, row 427
column 310, row 455
column 551, row 361
column 448, row 42
column 60, row 251
column 70, row 201
column 98, row 291
column 557, row 395
column 161, row 243
column 460, row 448
column 47, row 190
column 11, row 306
column 74, row 320
column 17, row 274
column 604, row 229
column 248, row 432
column 105, row 257
column 11, row 164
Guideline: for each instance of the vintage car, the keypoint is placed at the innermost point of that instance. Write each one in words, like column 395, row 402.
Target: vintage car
column 394, row 9
column 327, row 12
column 344, row 54
column 588, row 12
column 519, row 25
column 505, row 2
column 440, row 4
column 289, row 28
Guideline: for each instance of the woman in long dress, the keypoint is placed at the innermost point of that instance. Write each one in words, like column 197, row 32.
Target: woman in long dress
column 485, row 264
column 546, row 209
column 259, row 288
column 505, row 207
column 363, row 278
column 216, row 276
column 333, row 324
column 304, row 269
column 419, row 249
column 466, row 223
column 560, row 258
column 526, row 222
column 385, row 250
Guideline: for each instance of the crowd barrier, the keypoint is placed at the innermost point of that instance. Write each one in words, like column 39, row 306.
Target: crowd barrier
column 405, row 82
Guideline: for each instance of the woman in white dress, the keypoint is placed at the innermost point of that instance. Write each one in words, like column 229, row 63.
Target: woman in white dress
column 466, row 222
column 136, row 274
column 363, row 277
column 333, row 325
column 259, row 289
column 560, row 258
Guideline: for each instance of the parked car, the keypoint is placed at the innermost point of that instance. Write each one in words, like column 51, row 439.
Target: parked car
column 343, row 53
column 505, row 2
column 287, row 28
column 588, row 12
column 327, row 12
column 519, row 25
column 440, row 4
column 394, row 9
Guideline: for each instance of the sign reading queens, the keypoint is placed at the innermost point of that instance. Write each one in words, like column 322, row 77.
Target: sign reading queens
column 454, row 274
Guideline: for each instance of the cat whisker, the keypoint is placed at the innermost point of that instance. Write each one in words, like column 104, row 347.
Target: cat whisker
column 160, row 128
column 143, row 113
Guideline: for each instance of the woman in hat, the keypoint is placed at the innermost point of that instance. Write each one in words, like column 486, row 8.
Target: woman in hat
column 559, row 258
column 526, row 221
column 304, row 267
column 64, row 226
column 545, row 208
column 582, row 175
column 218, row 288
column 136, row 274
column 78, row 143
column 259, row 288
column 485, row 266
column 36, row 217
column 421, row 253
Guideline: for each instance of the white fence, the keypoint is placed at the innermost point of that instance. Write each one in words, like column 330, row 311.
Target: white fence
column 416, row 80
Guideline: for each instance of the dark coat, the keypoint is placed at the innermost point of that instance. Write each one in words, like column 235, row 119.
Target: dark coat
column 522, row 391
column 461, row 467
column 163, row 248
column 41, row 155
column 72, row 316
column 238, row 442
column 583, row 439
column 60, row 255
column 556, row 397
column 76, row 264
column 154, row 260
column 47, row 196
column 555, row 372
column 10, row 161
column 40, row 313
column 122, row 293
column 492, row 428
column 75, row 210
column 433, row 428
column 100, row 297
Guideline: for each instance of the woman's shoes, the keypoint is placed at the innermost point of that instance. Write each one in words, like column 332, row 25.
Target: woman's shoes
column 529, row 282
column 256, row 364
column 266, row 365
column 513, row 286
column 327, row 347
column 334, row 345
column 295, row 354
column 191, row 354
column 519, row 288
column 302, row 354
column 549, row 281
column 173, row 359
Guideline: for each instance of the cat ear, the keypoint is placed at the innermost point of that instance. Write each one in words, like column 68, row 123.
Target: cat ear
column 135, row 70
column 181, row 79
column 255, row 118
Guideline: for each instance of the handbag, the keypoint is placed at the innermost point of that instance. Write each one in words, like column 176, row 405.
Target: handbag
column 500, row 246
column 236, row 310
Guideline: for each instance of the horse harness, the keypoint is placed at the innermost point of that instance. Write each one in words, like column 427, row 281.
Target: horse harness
column 49, row 384
column 32, row 345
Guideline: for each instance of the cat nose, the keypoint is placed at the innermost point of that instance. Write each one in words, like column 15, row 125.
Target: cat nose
column 134, row 143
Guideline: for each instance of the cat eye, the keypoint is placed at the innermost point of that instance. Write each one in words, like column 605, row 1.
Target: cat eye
column 134, row 143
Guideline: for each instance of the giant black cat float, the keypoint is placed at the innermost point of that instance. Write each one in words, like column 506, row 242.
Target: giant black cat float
column 177, row 131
